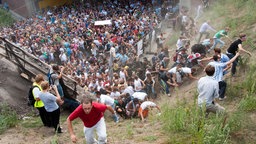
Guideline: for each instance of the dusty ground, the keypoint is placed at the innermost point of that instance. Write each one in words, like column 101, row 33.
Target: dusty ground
column 13, row 88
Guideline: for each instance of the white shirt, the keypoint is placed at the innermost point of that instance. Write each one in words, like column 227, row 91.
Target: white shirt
column 63, row 57
column 172, row 70
column 179, row 44
column 115, row 95
column 137, row 84
column 205, row 26
column 107, row 100
column 129, row 90
column 147, row 104
column 122, row 75
column 186, row 70
column 140, row 95
column 113, row 52
column 36, row 92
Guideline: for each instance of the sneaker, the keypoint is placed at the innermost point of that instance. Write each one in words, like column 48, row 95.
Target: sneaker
column 117, row 120
column 169, row 95
column 59, row 130
column 221, row 99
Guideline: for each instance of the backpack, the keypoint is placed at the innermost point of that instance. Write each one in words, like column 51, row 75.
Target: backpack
column 50, row 79
column 31, row 99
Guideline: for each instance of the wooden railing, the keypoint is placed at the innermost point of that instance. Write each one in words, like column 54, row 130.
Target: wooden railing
column 30, row 65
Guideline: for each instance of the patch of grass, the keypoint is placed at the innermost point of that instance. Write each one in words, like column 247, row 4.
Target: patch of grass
column 32, row 122
column 248, row 103
column 129, row 131
column 189, row 122
column 173, row 39
column 8, row 117
column 150, row 138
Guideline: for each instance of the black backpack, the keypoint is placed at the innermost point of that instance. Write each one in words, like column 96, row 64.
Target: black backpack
column 31, row 99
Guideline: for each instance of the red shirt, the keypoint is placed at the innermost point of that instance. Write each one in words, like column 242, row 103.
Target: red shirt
column 92, row 118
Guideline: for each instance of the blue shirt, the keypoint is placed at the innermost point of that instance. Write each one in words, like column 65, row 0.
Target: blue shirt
column 49, row 101
column 224, row 58
column 219, row 67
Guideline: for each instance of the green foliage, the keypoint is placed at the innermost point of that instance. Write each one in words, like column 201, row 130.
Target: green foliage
column 249, row 82
column 54, row 140
column 235, row 121
column 8, row 117
column 129, row 130
column 173, row 39
column 249, row 42
column 190, row 122
column 248, row 103
column 234, row 91
column 5, row 18
column 150, row 138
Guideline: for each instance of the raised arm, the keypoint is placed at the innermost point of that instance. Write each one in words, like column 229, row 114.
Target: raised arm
column 233, row 59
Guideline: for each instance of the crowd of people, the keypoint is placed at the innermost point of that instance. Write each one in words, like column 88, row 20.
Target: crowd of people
column 68, row 36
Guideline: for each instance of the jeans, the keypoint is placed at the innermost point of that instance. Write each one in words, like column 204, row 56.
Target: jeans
column 150, row 90
column 100, row 128
column 166, row 86
column 60, row 90
column 234, row 64
column 215, row 42
column 222, row 88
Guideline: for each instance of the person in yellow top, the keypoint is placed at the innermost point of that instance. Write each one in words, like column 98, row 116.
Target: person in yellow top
column 38, row 103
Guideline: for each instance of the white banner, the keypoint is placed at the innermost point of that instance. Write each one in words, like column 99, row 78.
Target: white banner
column 104, row 22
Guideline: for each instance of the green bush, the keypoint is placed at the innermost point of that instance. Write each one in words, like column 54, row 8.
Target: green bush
column 8, row 117
column 6, row 18
column 190, row 122
column 248, row 103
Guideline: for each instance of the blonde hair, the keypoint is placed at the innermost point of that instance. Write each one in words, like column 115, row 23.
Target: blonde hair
column 44, row 85
column 39, row 78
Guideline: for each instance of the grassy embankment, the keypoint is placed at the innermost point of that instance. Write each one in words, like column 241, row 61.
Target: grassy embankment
column 181, row 120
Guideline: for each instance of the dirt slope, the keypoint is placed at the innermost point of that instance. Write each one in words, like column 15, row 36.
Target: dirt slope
column 13, row 88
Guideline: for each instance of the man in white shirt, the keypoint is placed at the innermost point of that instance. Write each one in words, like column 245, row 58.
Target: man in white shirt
column 107, row 100
column 144, row 109
column 203, row 30
column 208, row 89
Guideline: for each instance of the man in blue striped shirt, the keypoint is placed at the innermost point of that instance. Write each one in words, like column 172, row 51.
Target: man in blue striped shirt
column 218, row 74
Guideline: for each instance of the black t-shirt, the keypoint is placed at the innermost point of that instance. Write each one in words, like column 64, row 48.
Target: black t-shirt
column 234, row 47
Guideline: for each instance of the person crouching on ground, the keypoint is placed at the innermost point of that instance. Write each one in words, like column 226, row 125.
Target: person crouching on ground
column 208, row 89
column 51, row 104
column 144, row 109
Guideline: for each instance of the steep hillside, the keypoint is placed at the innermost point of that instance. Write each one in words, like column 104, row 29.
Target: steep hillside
column 180, row 121
column 13, row 88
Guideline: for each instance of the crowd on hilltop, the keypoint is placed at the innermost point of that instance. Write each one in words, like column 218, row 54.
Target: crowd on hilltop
column 68, row 36
column 69, row 41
